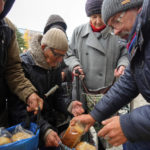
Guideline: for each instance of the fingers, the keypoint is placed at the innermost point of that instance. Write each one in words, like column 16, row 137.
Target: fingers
column 78, row 71
column 52, row 139
column 34, row 101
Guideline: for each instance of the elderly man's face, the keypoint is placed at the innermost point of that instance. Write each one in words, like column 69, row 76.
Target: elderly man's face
column 53, row 57
column 123, row 22
column 96, row 20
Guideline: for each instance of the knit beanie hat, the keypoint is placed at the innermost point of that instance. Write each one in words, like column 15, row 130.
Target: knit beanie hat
column 55, row 38
column 55, row 21
column 93, row 7
column 112, row 7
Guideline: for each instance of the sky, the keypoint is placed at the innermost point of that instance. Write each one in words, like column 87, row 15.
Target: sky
column 33, row 14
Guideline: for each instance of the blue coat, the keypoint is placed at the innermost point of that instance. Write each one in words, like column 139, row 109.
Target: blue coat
column 135, row 125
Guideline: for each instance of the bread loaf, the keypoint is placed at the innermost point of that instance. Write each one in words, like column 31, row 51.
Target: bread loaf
column 20, row 135
column 72, row 135
column 4, row 140
column 85, row 146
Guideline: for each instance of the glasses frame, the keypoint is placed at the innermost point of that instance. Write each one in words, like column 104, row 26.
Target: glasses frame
column 117, row 23
column 57, row 55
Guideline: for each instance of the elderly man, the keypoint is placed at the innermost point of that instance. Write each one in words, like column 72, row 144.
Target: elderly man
column 11, row 73
column 128, row 19
column 41, row 64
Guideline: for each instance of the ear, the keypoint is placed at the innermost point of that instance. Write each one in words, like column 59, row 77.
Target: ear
column 43, row 47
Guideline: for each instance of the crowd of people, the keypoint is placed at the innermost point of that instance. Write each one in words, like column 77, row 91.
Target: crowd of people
column 102, row 68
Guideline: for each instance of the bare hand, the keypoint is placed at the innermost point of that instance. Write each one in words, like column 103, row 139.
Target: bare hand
column 34, row 101
column 52, row 139
column 112, row 131
column 80, row 71
column 86, row 120
column 77, row 108
column 119, row 71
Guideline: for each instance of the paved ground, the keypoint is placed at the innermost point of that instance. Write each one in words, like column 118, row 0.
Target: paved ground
column 137, row 102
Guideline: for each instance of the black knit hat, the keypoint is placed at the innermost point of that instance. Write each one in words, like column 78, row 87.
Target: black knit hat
column 55, row 21
column 93, row 7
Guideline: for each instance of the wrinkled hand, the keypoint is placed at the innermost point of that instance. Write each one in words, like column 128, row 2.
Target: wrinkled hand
column 112, row 131
column 34, row 101
column 86, row 120
column 80, row 70
column 119, row 71
column 77, row 108
column 52, row 139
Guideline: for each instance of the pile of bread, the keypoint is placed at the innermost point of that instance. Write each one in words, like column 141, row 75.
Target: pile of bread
column 9, row 138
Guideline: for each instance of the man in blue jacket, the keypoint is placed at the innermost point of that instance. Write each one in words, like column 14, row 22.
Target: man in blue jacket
column 130, row 19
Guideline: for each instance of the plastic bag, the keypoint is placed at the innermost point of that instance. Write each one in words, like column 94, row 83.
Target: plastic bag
column 72, row 135
column 5, row 136
column 20, row 133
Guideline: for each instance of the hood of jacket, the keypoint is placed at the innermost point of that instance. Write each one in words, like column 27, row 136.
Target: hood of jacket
column 37, row 53
column 7, row 7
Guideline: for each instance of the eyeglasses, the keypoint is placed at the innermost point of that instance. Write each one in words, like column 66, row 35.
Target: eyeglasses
column 57, row 55
column 117, row 23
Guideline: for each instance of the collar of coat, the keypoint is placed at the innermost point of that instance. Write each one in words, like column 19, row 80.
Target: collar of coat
column 87, row 30
column 92, row 39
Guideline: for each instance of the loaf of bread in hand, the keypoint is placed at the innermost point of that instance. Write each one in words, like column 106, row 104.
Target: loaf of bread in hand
column 85, row 146
column 20, row 135
column 72, row 135
column 4, row 140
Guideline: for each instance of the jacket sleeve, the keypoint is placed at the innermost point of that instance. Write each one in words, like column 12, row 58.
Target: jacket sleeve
column 15, row 78
column 123, row 60
column 120, row 94
column 72, row 58
column 136, row 125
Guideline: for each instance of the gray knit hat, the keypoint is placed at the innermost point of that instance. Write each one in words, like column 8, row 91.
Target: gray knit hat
column 55, row 21
column 55, row 38
column 93, row 7
column 112, row 7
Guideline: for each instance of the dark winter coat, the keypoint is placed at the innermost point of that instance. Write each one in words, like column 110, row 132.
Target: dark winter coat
column 135, row 125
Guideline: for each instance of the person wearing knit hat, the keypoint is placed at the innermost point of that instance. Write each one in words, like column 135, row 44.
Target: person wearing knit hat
column 55, row 21
column 41, row 66
column 92, row 51
column 131, row 128
column 112, row 7
column 119, row 9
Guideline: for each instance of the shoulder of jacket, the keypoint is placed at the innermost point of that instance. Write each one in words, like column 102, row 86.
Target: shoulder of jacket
column 80, row 28
column 27, row 58
column 10, row 24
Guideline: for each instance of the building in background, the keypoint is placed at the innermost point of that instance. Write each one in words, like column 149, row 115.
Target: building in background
column 27, row 36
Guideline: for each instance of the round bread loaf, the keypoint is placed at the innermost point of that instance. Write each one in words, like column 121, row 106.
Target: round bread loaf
column 4, row 140
column 20, row 135
column 85, row 146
